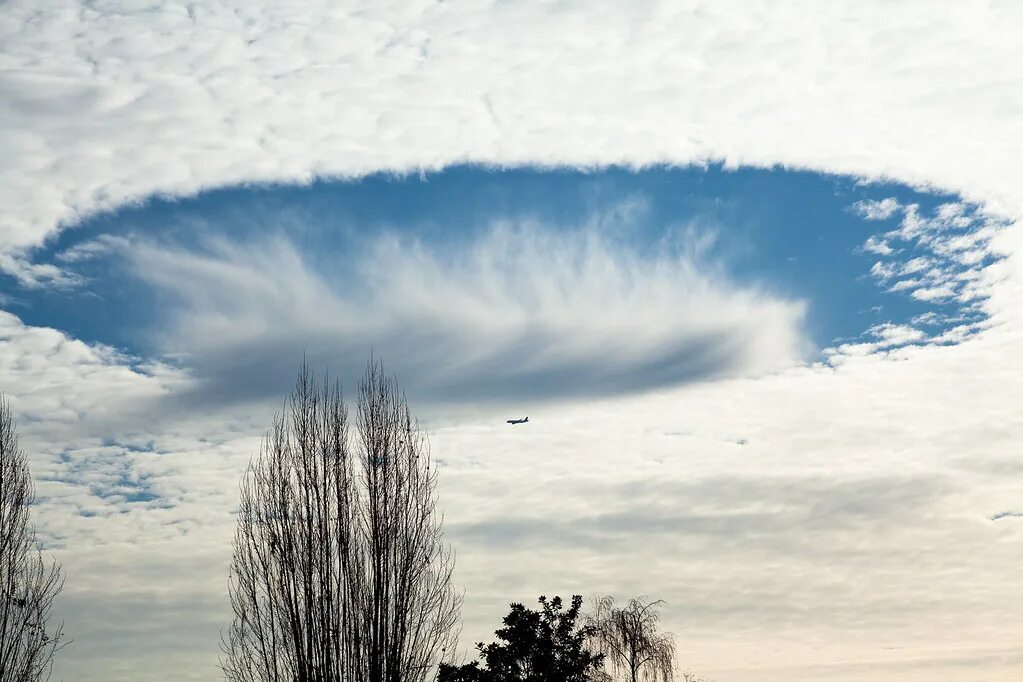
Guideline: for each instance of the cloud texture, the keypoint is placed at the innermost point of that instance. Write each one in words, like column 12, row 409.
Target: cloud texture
column 238, row 92
column 523, row 312
column 823, row 523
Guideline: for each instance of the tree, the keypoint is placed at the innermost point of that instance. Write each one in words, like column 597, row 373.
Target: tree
column 630, row 639
column 537, row 646
column 689, row 676
column 339, row 571
column 28, row 585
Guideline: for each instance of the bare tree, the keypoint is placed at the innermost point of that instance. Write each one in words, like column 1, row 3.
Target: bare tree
column 690, row 676
column 340, row 573
column 28, row 585
column 630, row 639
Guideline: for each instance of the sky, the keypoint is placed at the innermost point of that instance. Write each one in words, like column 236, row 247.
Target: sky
column 751, row 269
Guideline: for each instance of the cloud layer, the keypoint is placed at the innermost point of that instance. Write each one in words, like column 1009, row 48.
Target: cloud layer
column 863, row 492
column 233, row 92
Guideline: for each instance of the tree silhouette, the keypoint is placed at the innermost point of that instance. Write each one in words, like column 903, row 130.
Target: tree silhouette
column 339, row 571
column 630, row 639
column 537, row 646
column 28, row 586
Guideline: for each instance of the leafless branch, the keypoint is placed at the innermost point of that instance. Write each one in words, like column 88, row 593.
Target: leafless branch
column 340, row 572
column 28, row 585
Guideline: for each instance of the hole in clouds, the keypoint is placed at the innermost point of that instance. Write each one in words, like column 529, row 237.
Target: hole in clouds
column 480, row 284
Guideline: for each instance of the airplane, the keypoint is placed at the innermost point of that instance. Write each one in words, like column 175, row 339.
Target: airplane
column 518, row 421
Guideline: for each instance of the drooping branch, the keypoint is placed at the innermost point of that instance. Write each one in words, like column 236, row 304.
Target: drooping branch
column 631, row 640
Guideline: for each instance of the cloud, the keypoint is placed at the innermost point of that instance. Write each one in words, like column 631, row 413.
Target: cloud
column 958, row 245
column 105, row 106
column 839, row 519
column 237, row 92
column 1006, row 515
column 950, row 257
column 877, row 210
column 34, row 275
column 88, row 250
column 937, row 293
column 896, row 335
column 878, row 246
column 63, row 381
column 886, row 339
column 710, row 510
column 858, row 488
column 521, row 312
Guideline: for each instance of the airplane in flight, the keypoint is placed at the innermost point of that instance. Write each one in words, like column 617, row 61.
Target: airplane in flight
column 518, row 421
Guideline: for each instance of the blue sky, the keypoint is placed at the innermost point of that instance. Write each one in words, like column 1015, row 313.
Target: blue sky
column 789, row 235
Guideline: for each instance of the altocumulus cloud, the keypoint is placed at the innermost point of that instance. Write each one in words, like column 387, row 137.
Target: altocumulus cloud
column 223, row 94
column 236, row 92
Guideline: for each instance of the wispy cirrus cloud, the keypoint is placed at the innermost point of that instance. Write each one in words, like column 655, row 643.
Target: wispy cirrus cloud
column 520, row 312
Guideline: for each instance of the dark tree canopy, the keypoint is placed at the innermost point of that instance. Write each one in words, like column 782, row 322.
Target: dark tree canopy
column 28, row 585
column 544, row 645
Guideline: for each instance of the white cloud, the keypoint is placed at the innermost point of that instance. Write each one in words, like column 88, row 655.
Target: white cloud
column 878, row 246
column 964, row 258
column 34, row 275
column 877, row 210
column 765, row 546
column 928, row 318
column 61, row 380
column 883, row 271
column 88, row 250
column 938, row 293
column 524, row 312
column 840, row 521
column 915, row 265
column 956, row 334
column 896, row 334
column 886, row 564
column 232, row 92
column 883, row 340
